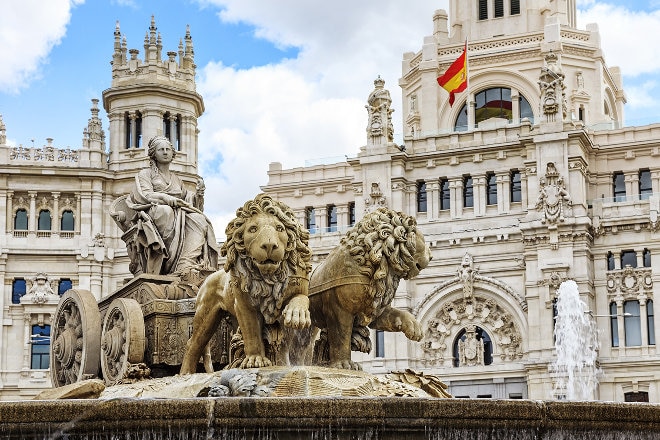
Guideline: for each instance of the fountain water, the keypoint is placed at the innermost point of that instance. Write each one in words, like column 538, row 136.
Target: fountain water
column 576, row 344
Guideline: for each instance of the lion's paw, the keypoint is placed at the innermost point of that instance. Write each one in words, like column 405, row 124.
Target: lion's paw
column 255, row 361
column 412, row 329
column 296, row 313
column 346, row 364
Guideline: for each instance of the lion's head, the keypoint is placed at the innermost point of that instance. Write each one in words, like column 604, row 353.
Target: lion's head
column 388, row 246
column 265, row 246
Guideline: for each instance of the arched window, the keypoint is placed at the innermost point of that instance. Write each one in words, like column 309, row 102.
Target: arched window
column 44, row 220
column 67, row 222
column 481, row 335
column 493, row 103
column 133, row 124
column 21, row 220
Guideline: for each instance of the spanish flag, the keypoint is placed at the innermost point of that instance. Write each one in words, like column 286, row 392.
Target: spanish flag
column 455, row 80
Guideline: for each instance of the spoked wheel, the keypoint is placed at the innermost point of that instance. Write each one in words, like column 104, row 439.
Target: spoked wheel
column 76, row 336
column 123, row 339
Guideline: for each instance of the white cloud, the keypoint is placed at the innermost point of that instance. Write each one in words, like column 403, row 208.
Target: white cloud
column 29, row 29
column 304, row 108
column 628, row 37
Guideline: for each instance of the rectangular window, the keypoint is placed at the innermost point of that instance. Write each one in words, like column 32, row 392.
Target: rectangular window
column 491, row 189
column 18, row 289
column 645, row 189
column 332, row 218
column 421, row 196
column 614, row 325
column 632, row 324
column 619, row 187
column 64, row 285
column 516, row 186
column 380, row 343
column 483, row 9
column 445, row 200
column 650, row 322
column 40, row 340
column 351, row 214
column 515, row 7
column 310, row 220
column 499, row 8
column 468, row 192
column 628, row 258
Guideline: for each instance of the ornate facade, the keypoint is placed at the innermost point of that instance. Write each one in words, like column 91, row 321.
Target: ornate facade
column 56, row 231
column 528, row 180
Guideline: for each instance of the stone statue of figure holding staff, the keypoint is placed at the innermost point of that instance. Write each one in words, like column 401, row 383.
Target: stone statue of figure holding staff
column 173, row 233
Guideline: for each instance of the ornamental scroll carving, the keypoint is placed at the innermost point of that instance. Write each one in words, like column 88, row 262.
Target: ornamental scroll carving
column 554, row 200
column 629, row 281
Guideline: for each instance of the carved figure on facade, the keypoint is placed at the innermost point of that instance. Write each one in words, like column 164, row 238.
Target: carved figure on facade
column 264, row 284
column 553, row 200
column 551, row 84
column 380, row 112
column 467, row 273
column 376, row 199
column 165, row 230
column 471, row 349
column 3, row 132
column 40, row 289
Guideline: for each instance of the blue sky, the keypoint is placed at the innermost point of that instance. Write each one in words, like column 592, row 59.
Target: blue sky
column 283, row 80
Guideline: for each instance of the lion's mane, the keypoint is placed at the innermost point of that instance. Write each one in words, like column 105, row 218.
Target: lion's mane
column 266, row 293
column 383, row 243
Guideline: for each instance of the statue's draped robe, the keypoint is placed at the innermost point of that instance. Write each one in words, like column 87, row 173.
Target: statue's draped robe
column 172, row 239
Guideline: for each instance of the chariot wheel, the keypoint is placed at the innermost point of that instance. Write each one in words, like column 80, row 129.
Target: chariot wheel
column 75, row 348
column 122, row 339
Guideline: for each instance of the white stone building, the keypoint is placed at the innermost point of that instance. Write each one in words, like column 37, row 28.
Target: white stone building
column 57, row 232
column 529, row 179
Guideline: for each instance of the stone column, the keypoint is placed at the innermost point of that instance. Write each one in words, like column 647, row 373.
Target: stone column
column 32, row 215
column 432, row 200
column 173, row 138
column 27, row 322
column 515, row 105
column 55, row 225
column 503, row 195
column 321, row 218
column 342, row 218
column 10, row 211
column 133, row 118
column 644, row 325
column 621, row 329
column 455, row 197
column 479, row 195
column 630, row 180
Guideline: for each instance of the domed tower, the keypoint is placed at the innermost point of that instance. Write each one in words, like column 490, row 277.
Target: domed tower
column 152, row 96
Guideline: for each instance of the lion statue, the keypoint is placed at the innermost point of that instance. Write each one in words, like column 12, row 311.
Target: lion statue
column 264, row 284
column 354, row 287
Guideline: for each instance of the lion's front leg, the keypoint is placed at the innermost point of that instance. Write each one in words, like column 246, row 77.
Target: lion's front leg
column 296, row 312
column 395, row 320
column 250, row 322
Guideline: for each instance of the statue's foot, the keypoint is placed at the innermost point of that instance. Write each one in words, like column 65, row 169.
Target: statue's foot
column 346, row 364
column 255, row 361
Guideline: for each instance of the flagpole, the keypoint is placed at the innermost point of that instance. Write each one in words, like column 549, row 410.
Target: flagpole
column 467, row 78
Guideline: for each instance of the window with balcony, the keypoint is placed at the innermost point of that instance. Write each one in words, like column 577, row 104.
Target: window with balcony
column 468, row 192
column 645, row 189
column 21, row 220
column 421, row 196
column 628, row 258
column 44, row 223
column 495, row 102
column 18, row 289
column 67, row 222
column 619, row 187
column 445, row 199
column 516, row 186
column 491, row 189
column 332, row 218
